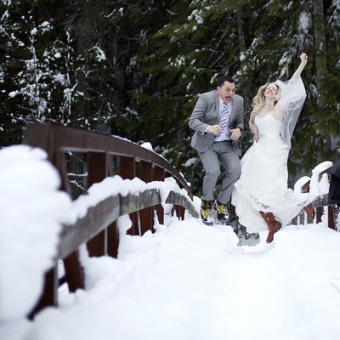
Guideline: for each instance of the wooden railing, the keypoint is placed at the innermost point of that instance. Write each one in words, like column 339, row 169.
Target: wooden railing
column 98, row 227
column 321, row 206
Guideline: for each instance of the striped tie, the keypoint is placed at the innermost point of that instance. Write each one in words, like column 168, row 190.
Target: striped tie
column 224, row 118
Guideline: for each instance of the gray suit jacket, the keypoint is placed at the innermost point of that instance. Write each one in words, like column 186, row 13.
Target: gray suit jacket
column 206, row 113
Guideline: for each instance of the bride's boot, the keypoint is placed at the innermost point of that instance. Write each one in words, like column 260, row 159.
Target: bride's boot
column 273, row 225
column 310, row 213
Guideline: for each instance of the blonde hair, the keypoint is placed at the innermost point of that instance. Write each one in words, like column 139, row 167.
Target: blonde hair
column 258, row 100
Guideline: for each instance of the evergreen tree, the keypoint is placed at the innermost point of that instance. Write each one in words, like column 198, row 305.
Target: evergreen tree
column 135, row 68
column 31, row 69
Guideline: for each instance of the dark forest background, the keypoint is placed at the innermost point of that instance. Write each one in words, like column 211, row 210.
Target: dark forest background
column 134, row 68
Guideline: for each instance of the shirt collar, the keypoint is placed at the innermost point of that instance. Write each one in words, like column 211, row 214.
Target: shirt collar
column 229, row 104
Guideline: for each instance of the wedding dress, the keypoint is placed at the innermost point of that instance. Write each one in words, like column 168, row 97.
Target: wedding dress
column 262, row 185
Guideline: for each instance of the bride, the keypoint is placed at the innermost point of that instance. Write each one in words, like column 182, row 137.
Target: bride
column 261, row 196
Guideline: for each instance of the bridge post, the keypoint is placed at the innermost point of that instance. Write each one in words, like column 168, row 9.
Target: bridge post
column 159, row 175
column 331, row 217
column 97, row 171
column 146, row 217
column 49, row 294
column 128, row 171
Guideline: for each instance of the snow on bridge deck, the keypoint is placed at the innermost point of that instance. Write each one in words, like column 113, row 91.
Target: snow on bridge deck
column 186, row 281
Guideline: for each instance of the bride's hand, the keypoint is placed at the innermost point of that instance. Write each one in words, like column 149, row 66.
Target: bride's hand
column 256, row 137
column 304, row 57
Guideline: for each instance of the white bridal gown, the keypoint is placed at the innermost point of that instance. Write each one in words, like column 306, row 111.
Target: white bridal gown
column 263, row 182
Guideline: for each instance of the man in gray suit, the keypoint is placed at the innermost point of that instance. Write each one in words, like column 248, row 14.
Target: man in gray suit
column 217, row 120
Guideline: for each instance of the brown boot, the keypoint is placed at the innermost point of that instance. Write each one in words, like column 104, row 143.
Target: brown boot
column 273, row 225
column 310, row 213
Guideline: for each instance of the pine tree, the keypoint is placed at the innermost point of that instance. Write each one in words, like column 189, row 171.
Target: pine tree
column 135, row 68
column 31, row 75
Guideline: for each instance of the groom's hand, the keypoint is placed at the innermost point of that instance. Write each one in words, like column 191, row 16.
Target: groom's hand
column 215, row 129
column 235, row 134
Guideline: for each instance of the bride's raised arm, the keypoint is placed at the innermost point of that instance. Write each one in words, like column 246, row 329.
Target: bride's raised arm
column 293, row 90
column 292, row 98
column 297, row 73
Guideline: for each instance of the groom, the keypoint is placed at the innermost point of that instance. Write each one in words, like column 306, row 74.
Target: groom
column 217, row 120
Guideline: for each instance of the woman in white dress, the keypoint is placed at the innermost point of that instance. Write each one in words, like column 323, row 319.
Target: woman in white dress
column 261, row 196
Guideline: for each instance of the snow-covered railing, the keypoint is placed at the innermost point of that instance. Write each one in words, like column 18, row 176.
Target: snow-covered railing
column 319, row 183
column 108, row 197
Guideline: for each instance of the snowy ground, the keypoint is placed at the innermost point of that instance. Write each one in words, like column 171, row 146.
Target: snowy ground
column 192, row 282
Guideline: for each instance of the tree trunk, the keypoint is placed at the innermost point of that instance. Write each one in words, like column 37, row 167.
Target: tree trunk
column 242, row 45
column 83, row 43
column 320, row 47
column 240, row 30
column 321, row 63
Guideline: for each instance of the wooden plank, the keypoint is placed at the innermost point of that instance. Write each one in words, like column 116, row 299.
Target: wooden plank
column 178, row 199
column 97, row 171
column 49, row 294
column 112, row 240
column 127, row 170
column 97, row 219
column 133, row 203
column 146, row 215
column 74, row 272
column 159, row 175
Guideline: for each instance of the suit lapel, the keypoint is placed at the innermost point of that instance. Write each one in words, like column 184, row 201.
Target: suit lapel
column 233, row 110
column 217, row 104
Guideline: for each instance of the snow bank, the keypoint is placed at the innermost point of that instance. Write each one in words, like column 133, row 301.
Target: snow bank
column 33, row 211
column 30, row 221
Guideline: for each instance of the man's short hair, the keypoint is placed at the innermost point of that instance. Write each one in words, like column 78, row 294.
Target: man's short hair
column 223, row 79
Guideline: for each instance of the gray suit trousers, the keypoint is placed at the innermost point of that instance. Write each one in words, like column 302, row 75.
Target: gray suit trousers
column 220, row 153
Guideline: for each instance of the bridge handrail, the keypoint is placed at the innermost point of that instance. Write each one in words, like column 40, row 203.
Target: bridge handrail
column 108, row 211
column 98, row 227
column 321, row 203
column 55, row 138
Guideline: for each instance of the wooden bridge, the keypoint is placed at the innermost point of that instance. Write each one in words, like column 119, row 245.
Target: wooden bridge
column 98, row 228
